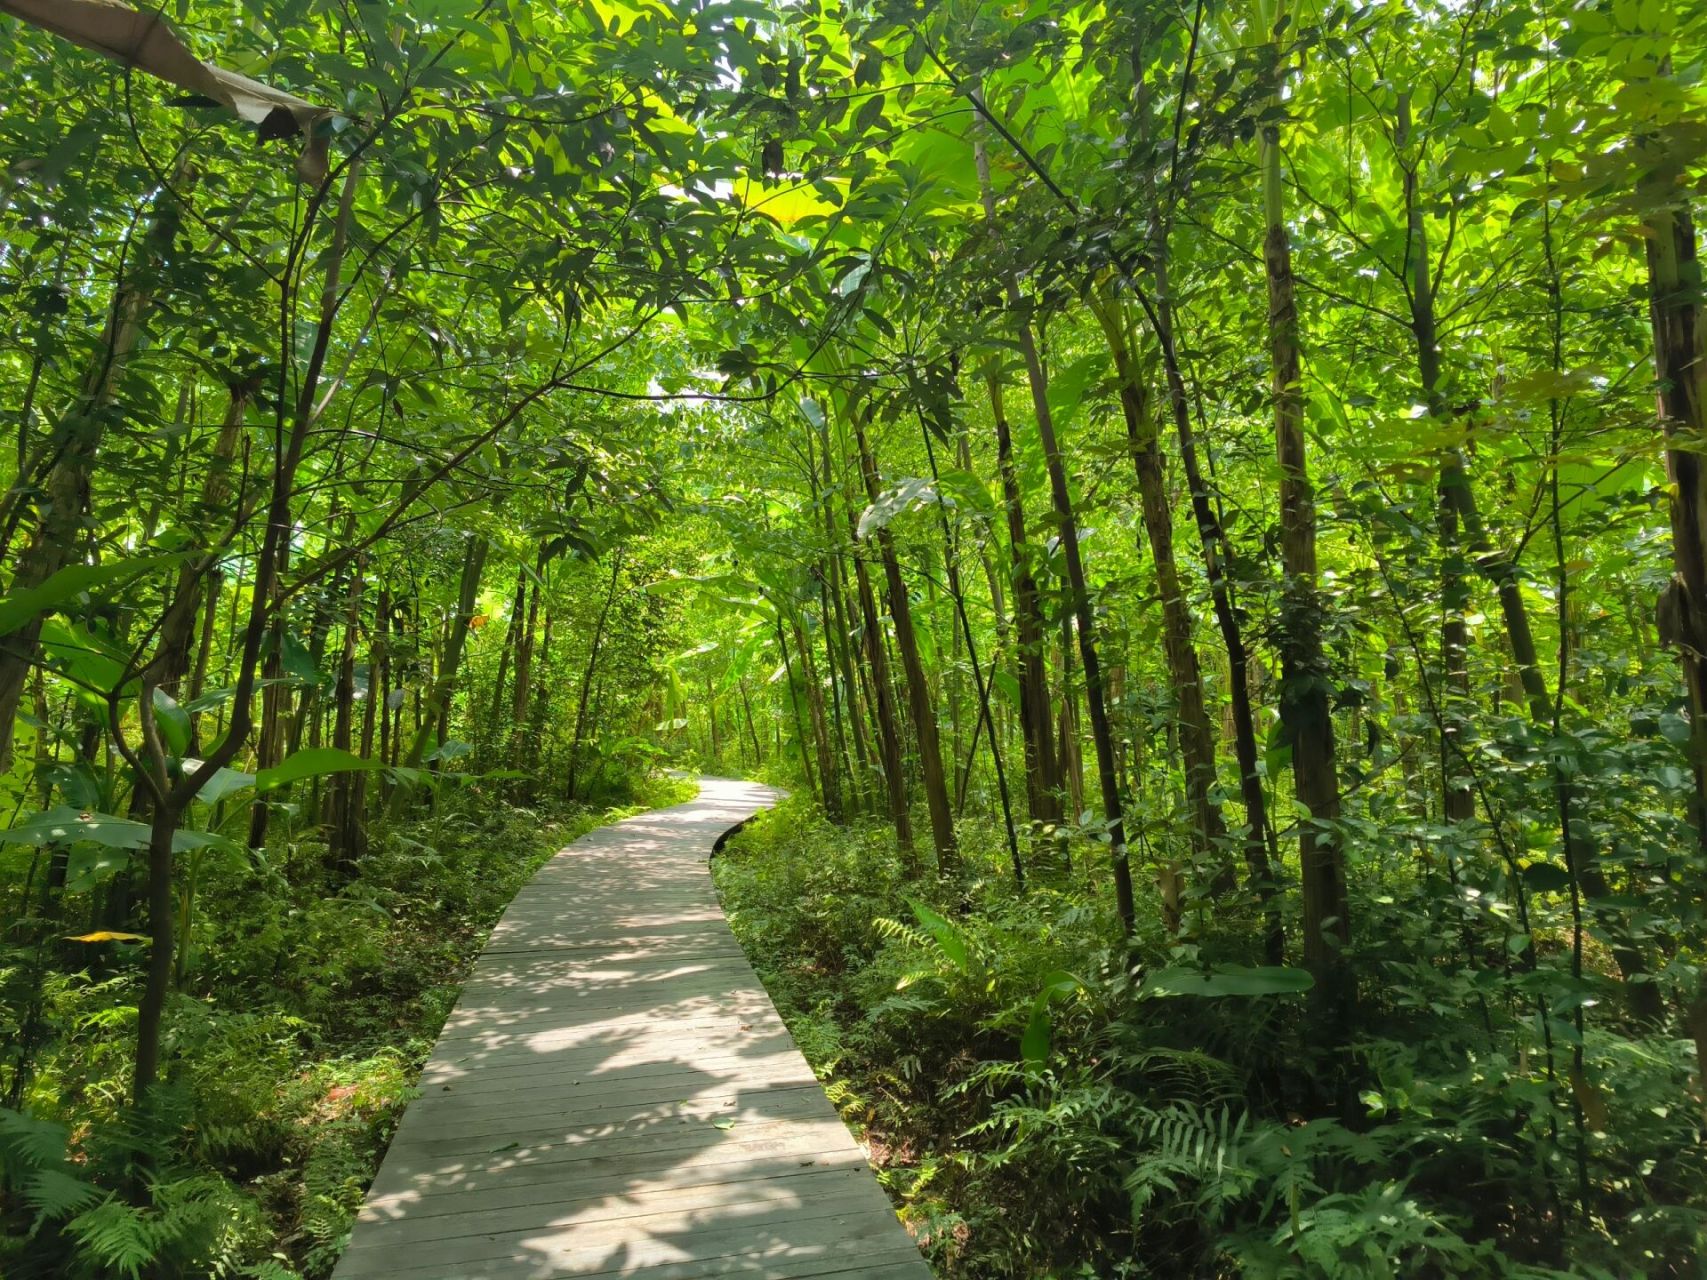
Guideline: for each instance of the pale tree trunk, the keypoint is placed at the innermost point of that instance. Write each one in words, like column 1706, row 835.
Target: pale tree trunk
column 345, row 836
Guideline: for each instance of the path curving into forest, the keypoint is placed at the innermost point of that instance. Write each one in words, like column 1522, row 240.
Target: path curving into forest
column 615, row 1095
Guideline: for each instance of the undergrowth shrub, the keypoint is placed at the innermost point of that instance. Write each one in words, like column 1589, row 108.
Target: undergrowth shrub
column 1036, row 1110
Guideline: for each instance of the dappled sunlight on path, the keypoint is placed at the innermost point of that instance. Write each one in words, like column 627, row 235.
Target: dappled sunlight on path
column 615, row 1095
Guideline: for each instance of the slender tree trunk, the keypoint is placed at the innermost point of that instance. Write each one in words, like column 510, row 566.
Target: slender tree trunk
column 1031, row 664
column 1101, row 735
column 269, row 742
column 1680, row 368
column 1459, row 803
column 587, row 676
column 373, row 706
column 845, row 758
column 883, row 703
column 918, row 691
column 1305, row 711
column 175, row 794
column 512, row 644
column 829, row 782
column 812, row 783
column 951, row 569
column 524, row 662
column 346, row 838
column 444, row 684
column 1215, row 548
column 1179, row 647
column 74, row 446
column 752, row 725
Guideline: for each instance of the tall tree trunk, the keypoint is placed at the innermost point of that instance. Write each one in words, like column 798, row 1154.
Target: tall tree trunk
column 1305, row 711
column 269, row 741
column 1179, row 647
column 512, row 645
column 345, row 835
column 829, row 781
column 587, row 676
column 836, row 588
column 444, row 684
column 1101, row 734
column 1458, row 802
column 912, row 667
column 812, row 783
column 75, row 445
column 1216, row 552
column 1031, row 664
column 1680, row 368
column 524, row 654
column 883, row 704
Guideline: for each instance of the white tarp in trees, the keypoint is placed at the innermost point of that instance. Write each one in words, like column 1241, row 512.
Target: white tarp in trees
column 146, row 42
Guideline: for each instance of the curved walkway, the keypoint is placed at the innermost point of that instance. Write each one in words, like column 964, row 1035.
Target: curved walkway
column 615, row 1095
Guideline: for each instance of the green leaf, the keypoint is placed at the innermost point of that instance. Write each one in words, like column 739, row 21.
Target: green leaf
column 1034, row 1044
column 18, row 609
column 949, row 939
column 65, row 825
column 92, row 663
column 223, row 783
column 173, row 722
column 313, row 762
column 1228, row 980
column 90, row 865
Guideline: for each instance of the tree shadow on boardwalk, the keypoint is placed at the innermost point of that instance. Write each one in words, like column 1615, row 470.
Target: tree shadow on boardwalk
column 615, row 1095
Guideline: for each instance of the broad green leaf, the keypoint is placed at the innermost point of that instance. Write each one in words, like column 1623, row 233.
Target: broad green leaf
column 173, row 722
column 311, row 762
column 71, row 826
column 223, row 783
column 19, row 608
column 949, row 939
column 1227, row 980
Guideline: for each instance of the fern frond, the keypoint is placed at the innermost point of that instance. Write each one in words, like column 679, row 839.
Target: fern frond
column 28, row 1143
column 120, row 1236
column 56, row 1194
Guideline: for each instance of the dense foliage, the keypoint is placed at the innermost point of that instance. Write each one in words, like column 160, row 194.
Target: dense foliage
column 1203, row 504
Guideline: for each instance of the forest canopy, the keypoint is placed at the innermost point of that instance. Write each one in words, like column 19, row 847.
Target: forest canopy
column 1201, row 503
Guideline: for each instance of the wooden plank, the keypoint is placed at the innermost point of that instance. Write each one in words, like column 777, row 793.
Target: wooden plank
column 614, row 1095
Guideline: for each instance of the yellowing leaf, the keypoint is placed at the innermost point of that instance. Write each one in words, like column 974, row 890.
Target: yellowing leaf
column 106, row 935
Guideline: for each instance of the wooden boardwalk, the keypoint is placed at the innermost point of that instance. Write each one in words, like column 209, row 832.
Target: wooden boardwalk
column 615, row 1095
